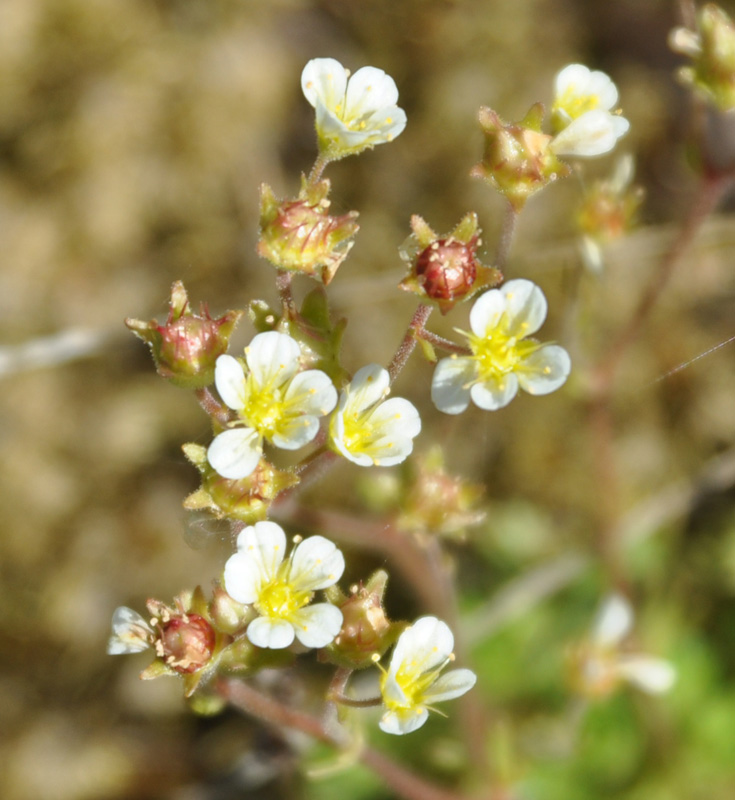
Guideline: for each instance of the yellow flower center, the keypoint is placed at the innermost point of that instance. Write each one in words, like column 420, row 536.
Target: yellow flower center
column 264, row 407
column 498, row 354
column 413, row 683
column 279, row 599
column 576, row 104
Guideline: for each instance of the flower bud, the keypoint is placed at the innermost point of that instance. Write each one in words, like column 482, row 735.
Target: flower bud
column 365, row 629
column 299, row 235
column 247, row 499
column 712, row 50
column 186, row 643
column 228, row 615
column 439, row 503
column 518, row 160
column 187, row 346
column 446, row 270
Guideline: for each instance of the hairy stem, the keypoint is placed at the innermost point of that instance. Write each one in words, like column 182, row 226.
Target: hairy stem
column 406, row 347
column 507, row 234
column 213, row 407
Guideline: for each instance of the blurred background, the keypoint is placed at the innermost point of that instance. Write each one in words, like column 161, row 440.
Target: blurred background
column 133, row 137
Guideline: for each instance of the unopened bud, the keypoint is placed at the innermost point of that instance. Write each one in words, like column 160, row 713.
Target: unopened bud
column 300, row 236
column 445, row 270
column 366, row 629
column 517, row 161
column 187, row 346
column 247, row 499
column 186, row 643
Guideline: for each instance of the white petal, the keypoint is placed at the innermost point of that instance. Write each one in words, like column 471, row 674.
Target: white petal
column 235, row 453
column 311, row 392
column 495, row 393
column 295, row 432
column 614, row 621
column 316, row 564
column 260, row 550
column 325, row 80
column 370, row 385
column 450, row 386
column 545, row 370
column 130, row 632
column 369, row 90
column 450, row 685
column 265, row 542
column 653, row 675
column 487, row 312
column 425, row 645
column 387, row 124
column 571, row 76
column 397, row 417
column 273, row 358
column 525, row 307
column 403, row 721
column 591, row 134
column 317, row 625
column 229, row 378
column 272, row 633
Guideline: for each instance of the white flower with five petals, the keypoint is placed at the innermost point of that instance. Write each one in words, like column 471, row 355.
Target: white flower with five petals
column 281, row 589
column 273, row 400
column 602, row 663
column 369, row 430
column 352, row 113
column 503, row 359
column 413, row 681
column 583, row 114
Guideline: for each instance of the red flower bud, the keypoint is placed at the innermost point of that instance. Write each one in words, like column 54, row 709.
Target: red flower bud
column 186, row 643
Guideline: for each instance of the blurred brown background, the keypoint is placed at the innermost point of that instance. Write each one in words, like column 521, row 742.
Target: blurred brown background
column 133, row 137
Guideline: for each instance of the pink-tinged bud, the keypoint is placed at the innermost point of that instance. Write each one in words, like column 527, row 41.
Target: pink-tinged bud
column 366, row 631
column 300, row 236
column 187, row 346
column 186, row 643
column 445, row 270
column 517, row 160
column 247, row 499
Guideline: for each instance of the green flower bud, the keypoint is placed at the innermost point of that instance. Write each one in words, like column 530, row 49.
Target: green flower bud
column 300, row 236
column 518, row 161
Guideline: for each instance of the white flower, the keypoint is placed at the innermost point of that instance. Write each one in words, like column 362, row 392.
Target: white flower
column 351, row 115
column 369, row 430
column 130, row 633
column 603, row 664
column 281, row 590
column 502, row 359
column 582, row 113
column 274, row 401
column 413, row 681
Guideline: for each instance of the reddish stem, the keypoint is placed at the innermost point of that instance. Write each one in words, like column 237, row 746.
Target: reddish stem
column 213, row 407
column 406, row 347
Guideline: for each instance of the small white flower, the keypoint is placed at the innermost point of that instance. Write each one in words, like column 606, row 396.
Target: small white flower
column 281, row 589
column 603, row 664
column 351, row 115
column 414, row 682
column 274, row 401
column 130, row 633
column 502, row 359
column 368, row 430
column 583, row 115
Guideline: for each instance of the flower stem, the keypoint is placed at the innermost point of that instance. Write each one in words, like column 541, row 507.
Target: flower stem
column 506, row 237
column 405, row 784
column 318, row 168
column 442, row 343
column 415, row 329
column 283, row 285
